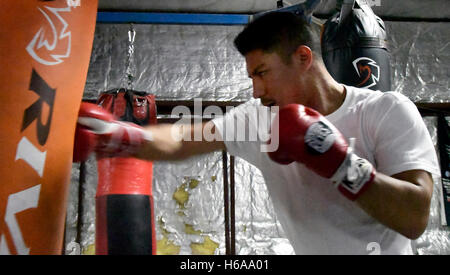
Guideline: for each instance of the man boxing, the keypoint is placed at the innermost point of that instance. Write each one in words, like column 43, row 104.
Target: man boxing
column 352, row 167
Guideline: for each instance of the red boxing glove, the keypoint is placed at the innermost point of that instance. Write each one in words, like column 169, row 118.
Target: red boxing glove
column 98, row 130
column 307, row 137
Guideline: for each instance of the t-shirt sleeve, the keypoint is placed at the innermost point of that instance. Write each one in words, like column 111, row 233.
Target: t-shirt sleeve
column 241, row 132
column 399, row 136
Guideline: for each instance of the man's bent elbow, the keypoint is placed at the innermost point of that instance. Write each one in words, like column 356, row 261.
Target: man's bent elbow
column 416, row 229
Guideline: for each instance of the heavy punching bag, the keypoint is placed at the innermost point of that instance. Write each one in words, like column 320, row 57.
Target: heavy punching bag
column 124, row 201
column 354, row 47
column 45, row 47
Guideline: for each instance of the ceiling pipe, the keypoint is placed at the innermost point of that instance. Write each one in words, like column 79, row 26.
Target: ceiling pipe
column 172, row 18
column 304, row 9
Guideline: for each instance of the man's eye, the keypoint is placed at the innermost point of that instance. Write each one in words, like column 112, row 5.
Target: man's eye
column 259, row 74
column 262, row 73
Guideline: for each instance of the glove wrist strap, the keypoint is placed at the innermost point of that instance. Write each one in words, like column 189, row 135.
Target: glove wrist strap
column 354, row 176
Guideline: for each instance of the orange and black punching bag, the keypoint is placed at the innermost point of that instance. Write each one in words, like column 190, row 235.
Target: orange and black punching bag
column 45, row 47
column 124, row 200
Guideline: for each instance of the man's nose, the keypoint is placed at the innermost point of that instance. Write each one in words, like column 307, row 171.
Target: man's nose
column 258, row 89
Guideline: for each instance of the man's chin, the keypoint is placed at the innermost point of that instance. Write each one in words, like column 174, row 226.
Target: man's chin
column 268, row 104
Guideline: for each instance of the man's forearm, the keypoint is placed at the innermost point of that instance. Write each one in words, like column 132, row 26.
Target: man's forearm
column 398, row 203
column 175, row 142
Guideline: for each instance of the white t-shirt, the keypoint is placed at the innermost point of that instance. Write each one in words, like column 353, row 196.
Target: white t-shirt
column 317, row 219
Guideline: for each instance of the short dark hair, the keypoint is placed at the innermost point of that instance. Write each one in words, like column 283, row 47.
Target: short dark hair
column 280, row 32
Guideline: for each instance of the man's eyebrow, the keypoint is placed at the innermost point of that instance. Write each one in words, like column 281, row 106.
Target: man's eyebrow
column 256, row 69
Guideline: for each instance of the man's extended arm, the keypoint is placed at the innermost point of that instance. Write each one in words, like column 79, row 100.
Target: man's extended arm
column 98, row 131
column 175, row 142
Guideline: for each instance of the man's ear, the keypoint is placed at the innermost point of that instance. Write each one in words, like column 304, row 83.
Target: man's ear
column 304, row 56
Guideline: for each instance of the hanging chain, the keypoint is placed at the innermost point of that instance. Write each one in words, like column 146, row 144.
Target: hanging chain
column 130, row 64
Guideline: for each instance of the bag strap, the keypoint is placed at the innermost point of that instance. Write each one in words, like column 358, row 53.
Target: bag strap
column 346, row 10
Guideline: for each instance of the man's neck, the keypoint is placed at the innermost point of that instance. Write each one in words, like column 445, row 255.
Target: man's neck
column 327, row 94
